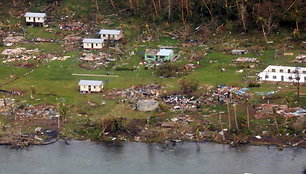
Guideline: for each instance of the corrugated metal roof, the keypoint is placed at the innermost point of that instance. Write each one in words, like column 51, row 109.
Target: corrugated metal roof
column 93, row 40
column 164, row 52
column 105, row 31
column 90, row 82
column 38, row 15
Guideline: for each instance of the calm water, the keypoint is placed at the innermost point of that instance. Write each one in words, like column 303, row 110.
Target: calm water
column 140, row 158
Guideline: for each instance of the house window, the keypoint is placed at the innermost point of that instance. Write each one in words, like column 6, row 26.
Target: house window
column 290, row 78
column 38, row 18
column 96, row 44
column 88, row 44
column 266, row 76
column 274, row 77
column 273, row 70
column 289, row 71
column 29, row 18
column 103, row 35
column 94, row 87
column 281, row 70
column 305, row 79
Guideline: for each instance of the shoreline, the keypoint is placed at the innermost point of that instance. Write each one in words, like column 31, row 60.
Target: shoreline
column 301, row 143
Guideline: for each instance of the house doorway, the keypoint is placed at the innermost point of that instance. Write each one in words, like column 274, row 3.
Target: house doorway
column 89, row 89
column 282, row 78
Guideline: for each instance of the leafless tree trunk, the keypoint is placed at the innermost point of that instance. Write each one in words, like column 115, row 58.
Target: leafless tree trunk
column 112, row 2
column 169, row 10
column 97, row 5
column 155, row 7
column 235, row 115
column 248, row 113
column 14, row 2
column 228, row 116
column 205, row 4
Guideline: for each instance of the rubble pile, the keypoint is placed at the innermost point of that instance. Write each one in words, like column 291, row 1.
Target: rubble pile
column 147, row 105
column 18, row 51
column 151, row 91
column 10, row 40
column 239, row 52
column 224, row 93
column 245, row 60
column 72, row 42
column 181, row 102
column 5, row 104
column 36, row 112
column 300, row 59
column 42, row 40
column 267, row 110
column 74, row 26
column 95, row 60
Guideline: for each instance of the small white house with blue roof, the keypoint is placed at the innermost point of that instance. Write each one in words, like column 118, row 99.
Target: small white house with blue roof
column 90, row 86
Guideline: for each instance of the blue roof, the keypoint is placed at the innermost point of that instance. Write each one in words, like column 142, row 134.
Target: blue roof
column 90, row 82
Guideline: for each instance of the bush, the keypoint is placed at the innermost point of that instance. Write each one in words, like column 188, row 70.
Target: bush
column 188, row 85
column 254, row 85
column 169, row 70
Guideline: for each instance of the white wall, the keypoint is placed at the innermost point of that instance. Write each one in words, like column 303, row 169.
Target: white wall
column 85, row 88
column 277, row 77
column 112, row 37
column 37, row 20
column 93, row 45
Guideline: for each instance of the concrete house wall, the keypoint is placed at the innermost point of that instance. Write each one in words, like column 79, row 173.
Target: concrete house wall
column 91, row 88
column 87, row 45
column 112, row 36
column 282, row 74
column 35, row 17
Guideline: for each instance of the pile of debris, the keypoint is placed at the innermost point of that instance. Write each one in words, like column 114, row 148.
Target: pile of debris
column 300, row 58
column 181, row 102
column 36, row 112
column 245, row 60
column 72, row 42
column 267, row 110
column 10, row 40
column 6, row 104
column 96, row 60
column 42, row 40
column 74, row 26
column 18, row 54
column 18, row 51
column 226, row 93
column 135, row 93
column 239, row 52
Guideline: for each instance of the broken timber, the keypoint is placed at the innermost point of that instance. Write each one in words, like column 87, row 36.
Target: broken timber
column 95, row 75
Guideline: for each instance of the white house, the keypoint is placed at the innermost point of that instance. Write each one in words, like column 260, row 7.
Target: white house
column 35, row 18
column 90, row 86
column 283, row 74
column 93, row 43
column 111, row 34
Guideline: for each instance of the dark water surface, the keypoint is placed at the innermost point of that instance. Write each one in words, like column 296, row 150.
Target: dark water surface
column 140, row 158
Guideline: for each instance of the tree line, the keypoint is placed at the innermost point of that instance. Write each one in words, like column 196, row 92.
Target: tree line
column 265, row 15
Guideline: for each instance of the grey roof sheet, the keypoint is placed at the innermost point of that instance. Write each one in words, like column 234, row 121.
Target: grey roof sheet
column 106, row 31
column 93, row 40
column 90, row 82
column 38, row 15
